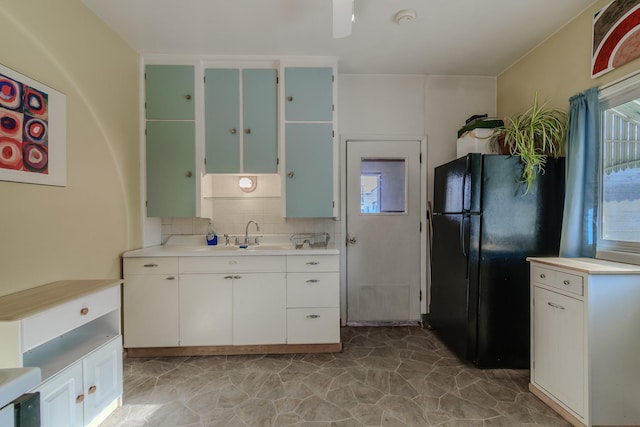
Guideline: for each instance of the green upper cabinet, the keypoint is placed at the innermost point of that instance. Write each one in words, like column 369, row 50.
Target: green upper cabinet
column 171, row 188
column 169, row 92
column 308, row 94
column 309, row 170
column 241, row 130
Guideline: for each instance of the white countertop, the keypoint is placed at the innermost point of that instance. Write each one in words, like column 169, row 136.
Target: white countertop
column 194, row 246
column 588, row 265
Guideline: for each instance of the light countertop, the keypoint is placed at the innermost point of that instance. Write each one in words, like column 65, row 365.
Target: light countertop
column 588, row 265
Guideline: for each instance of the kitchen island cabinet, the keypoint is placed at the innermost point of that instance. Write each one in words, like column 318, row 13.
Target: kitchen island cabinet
column 233, row 302
column 584, row 315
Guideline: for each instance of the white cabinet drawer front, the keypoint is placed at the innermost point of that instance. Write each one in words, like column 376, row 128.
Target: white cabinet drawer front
column 569, row 282
column 543, row 275
column 313, row 290
column 240, row 264
column 303, row 263
column 313, row 325
column 58, row 320
column 154, row 265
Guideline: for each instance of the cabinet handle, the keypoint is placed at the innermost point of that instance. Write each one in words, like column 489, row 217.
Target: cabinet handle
column 237, row 277
column 555, row 305
column 542, row 276
column 290, row 174
column 289, row 98
column 313, row 263
column 228, row 277
column 187, row 96
column 80, row 398
column 313, row 316
column 567, row 282
column 188, row 174
column 313, row 281
column 247, row 131
column 151, row 265
column 233, row 131
column 84, row 311
column 171, row 278
column 92, row 389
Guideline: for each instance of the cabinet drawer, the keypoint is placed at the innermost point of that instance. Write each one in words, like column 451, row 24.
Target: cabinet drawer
column 557, row 279
column 58, row 320
column 152, row 265
column 313, row 325
column 237, row 264
column 313, row 290
column 304, row 263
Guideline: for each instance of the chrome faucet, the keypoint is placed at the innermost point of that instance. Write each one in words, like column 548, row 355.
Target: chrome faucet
column 246, row 231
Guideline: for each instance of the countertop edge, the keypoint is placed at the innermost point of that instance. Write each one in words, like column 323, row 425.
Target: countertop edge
column 201, row 251
column 588, row 265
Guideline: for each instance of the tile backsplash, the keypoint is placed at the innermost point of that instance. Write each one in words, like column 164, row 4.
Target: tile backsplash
column 230, row 213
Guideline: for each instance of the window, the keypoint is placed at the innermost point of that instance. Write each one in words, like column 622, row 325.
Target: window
column 619, row 207
column 383, row 186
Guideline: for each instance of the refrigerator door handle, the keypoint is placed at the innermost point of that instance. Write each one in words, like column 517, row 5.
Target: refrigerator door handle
column 463, row 235
column 464, row 184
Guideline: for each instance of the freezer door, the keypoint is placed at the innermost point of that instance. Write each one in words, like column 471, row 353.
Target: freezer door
column 453, row 306
column 457, row 185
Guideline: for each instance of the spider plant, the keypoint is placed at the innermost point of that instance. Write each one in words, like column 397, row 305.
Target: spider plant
column 533, row 135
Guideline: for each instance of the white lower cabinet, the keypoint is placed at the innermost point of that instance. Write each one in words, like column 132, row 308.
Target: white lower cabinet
column 584, row 355
column 259, row 309
column 78, row 395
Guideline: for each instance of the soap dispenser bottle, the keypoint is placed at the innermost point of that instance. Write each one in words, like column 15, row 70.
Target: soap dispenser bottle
column 212, row 237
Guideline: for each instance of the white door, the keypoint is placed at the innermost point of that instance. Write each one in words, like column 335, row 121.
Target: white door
column 383, row 231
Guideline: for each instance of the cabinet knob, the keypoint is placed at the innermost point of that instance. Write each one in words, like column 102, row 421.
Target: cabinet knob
column 542, row 276
column 80, row 398
column 188, row 174
column 92, row 389
column 84, row 311
column 567, row 282
column 290, row 174
column 247, row 131
column 289, row 98
column 171, row 278
column 233, row 131
column 187, row 96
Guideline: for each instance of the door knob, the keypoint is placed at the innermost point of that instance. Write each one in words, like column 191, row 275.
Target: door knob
column 351, row 240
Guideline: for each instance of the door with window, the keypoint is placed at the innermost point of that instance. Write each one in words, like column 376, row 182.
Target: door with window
column 383, row 231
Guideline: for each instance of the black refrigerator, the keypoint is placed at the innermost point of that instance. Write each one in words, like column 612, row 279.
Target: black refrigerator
column 484, row 227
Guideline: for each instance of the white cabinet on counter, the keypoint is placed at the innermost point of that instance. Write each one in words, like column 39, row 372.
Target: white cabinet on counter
column 231, row 303
column 584, row 315
column 71, row 331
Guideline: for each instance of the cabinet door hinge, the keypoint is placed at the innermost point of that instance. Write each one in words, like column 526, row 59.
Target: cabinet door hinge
column 145, row 75
column 421, row 226
column 333, row 107
column 421, row 157
column 277, row 160
column 277, row 80
column 332, row 78
column 145, row 131
column 420, row 294
column 333, row 134
column 333, row 204
column 205, row 161
column 204, row 79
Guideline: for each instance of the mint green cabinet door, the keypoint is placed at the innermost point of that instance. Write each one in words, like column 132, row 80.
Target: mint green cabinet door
column 222, row 120
column 171, row 175
column 309, row 160
column 308, row 94
column 169, row 92
column 259, row 94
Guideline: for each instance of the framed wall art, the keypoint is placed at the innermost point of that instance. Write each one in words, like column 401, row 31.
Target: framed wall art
column 33, row 131
column 616, row 36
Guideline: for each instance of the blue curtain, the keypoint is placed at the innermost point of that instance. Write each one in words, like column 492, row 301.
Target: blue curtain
column 579, row 222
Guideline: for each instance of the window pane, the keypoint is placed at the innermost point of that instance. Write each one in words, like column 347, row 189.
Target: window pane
column 382, row 186
column 620, row 208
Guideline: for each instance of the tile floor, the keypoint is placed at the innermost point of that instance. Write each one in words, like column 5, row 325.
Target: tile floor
column 385, row 376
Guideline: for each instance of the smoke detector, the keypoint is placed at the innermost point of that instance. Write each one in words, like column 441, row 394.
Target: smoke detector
column 406, row 16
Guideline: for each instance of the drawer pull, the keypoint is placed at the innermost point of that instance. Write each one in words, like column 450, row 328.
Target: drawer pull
column 92, row 389
column 237, row 277
column 80, row 398
column 171, row 278
column 542, row 275
column 313, row 316
column 313, row 263
column 84, row 311
column 233, row 262
column 556, row 306
column 313, row 281
column 150, row 265
column 567, row 282
column 228, row 277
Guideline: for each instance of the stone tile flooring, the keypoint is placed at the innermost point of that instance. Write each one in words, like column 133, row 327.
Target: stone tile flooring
column 385, row 376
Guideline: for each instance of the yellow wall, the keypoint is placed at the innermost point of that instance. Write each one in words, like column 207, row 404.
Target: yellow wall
column 78, row 231
column 557, row 69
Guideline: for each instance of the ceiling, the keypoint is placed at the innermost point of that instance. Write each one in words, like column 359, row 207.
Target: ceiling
column 448, row 37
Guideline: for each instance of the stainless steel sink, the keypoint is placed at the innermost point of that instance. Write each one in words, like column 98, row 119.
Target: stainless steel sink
column 14, row 382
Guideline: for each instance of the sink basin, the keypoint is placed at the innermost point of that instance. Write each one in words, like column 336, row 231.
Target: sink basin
column 216, row 248
column 15, row 382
